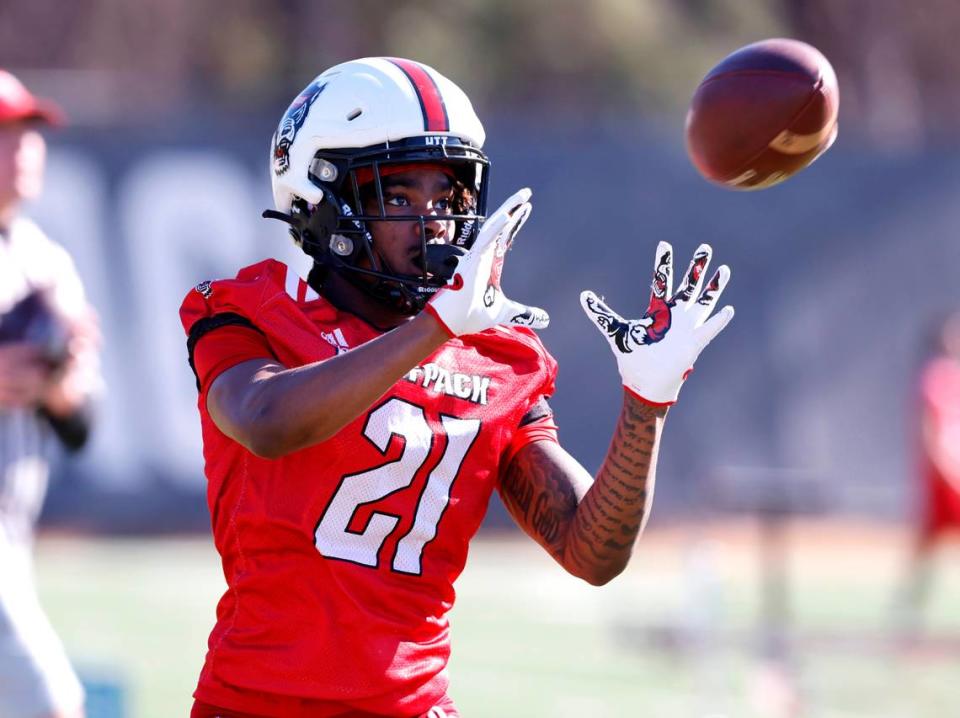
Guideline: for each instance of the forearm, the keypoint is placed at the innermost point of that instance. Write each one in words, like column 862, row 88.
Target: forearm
column 614, row 511
column 593, row 530
column 291, row 409
column 588, row 525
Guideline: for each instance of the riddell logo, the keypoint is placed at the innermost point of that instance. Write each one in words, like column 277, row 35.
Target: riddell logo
column 471, row 387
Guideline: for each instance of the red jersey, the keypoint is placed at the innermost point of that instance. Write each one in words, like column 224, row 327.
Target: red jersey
column 940, row 397
column 340, row 558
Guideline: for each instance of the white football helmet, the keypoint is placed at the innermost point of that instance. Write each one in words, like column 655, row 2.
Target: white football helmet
column 357, row 118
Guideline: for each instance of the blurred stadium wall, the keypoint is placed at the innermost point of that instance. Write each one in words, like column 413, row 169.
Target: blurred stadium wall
column 159, row 183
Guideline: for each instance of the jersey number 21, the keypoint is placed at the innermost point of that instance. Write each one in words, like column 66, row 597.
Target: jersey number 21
column 334, row 539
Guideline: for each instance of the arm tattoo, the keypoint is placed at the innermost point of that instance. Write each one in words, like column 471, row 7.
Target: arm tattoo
column 614, row 511
column 541, row 498
column 589, row 529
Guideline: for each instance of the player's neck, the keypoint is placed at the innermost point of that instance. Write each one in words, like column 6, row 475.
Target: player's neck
column 346, row 296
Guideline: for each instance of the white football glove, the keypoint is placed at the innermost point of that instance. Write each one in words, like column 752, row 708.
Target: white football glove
column 472, row 300
column 656, row 353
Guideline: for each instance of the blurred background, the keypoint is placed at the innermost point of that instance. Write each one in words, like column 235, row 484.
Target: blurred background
column 767, row 583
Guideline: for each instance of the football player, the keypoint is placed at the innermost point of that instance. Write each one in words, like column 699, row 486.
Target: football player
column 49, row 375
column 355, row 422
column 937, row 511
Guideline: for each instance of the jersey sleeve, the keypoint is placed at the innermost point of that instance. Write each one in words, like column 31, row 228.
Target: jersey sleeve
column 541, row 429
column 537, row 422
column 66, row 288
column 243, row 296
column 223, row 347
column 220, row 320
column 549, row 368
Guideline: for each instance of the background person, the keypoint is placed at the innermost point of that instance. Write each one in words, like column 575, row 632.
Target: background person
column 48, row 375
column 937, row 512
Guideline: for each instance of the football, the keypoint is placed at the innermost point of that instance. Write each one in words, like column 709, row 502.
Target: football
column 763, row 114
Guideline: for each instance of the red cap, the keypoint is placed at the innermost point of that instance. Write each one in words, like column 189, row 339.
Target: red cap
column 18, row 105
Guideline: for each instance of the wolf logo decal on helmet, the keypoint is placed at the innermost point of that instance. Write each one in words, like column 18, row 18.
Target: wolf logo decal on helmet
column 291, row 123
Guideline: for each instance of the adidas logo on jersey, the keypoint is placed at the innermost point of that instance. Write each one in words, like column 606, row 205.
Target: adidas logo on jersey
column 336, row 340
column 471, row 387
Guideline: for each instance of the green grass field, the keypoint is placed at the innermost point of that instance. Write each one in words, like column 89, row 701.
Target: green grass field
column 675, row 636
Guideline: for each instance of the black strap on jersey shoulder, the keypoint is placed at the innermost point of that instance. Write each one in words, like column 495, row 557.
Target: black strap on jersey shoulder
column 206, row 325
column 540, row 410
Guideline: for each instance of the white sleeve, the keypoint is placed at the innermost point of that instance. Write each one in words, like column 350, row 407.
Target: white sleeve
column 49, row 266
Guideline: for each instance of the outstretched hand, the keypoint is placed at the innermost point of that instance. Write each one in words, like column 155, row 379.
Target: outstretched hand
column 656, row 352
column 473, row 300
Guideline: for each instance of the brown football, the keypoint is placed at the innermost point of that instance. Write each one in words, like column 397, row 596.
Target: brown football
column 763, row 114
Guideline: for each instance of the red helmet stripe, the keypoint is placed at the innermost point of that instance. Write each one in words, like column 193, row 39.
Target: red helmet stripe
column 431, row 101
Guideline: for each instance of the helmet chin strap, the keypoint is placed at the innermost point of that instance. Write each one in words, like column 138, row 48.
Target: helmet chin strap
column 441, row 260
column 407, row 293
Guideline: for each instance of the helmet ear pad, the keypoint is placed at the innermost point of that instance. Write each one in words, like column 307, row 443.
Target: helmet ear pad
column 317, row 233
column 317, row 229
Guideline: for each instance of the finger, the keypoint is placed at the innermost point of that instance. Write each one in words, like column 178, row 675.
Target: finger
column 662, row 284
column 614, row 327
column 495, row 222
column 492, row 228
column 713, row 326
column 517, row 219
column 517, row 205
column 517, row 199
column 520, row 315
column 521, row 196
column 713, row 289
column 597, row 310
column 693, row 279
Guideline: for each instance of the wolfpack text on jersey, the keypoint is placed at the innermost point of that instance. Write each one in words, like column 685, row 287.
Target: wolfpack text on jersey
column 471, row 387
